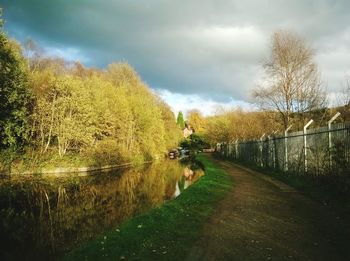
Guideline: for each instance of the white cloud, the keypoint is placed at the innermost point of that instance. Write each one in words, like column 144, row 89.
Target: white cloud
column 68, row 53
column 333, row 58
column 181, row 102
column 230, row 43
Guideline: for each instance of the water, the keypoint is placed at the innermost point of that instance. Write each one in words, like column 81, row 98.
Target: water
column 43, row 218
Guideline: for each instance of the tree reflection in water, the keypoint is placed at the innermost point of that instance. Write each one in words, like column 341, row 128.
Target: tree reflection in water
column 41, row 218
column 189, row 176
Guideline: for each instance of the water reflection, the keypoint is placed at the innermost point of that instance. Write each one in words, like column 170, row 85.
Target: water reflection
column 43, row 218
column 189, row 176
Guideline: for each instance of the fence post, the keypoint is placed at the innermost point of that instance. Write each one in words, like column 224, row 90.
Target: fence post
column 271, row 148
column 228, row 150
column 330, row 136
column 261, row 149
column 269, row 151
column 305, row 144
column 286, row 148
column 274, row 149
column 218, row 147
column 236, row 148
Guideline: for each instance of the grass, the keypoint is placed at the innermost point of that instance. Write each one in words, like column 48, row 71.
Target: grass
column 165, row 233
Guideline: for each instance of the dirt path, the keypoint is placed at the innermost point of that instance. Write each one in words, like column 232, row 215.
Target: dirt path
column 264, row 219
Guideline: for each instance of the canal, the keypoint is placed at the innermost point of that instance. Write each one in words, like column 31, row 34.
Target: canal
column 43, row 218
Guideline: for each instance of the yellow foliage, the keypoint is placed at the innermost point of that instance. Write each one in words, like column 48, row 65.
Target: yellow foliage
column 109, row 115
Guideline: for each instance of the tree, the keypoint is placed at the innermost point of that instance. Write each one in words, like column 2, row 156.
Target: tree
column 180, row 122
column 293, row 84
column 346, row 92
column 343, row 100
column 237, row 124
column 172, row 134
column 123, row 74
column 15, row 96
column 196, row 120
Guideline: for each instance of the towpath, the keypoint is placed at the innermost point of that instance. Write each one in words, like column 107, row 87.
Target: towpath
column 265, row 219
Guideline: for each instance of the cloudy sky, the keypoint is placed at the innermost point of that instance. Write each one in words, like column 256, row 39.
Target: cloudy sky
column 194, row 53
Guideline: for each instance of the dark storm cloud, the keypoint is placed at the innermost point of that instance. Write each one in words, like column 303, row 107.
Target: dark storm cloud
column 212, row 48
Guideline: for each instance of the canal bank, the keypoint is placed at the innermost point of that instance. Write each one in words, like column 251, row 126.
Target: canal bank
column 167, row 232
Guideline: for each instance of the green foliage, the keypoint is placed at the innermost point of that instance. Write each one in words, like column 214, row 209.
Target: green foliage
column 180, row 120
column 194, row 142
column 165, row 233
column 15, row 96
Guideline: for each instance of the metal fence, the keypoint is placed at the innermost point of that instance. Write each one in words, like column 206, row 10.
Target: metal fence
column 320, row 151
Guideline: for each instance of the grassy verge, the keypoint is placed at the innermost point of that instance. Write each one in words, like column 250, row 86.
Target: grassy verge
column 165, row 233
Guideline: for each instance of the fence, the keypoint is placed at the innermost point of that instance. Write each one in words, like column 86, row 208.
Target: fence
column 319, row 151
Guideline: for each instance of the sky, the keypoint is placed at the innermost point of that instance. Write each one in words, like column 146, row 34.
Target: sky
column 202, row 54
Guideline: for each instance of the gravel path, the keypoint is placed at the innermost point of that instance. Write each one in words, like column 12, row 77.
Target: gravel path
column 265, row 219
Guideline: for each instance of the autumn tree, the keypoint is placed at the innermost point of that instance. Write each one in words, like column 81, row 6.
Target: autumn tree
column 292, row 84
column 237, row 124
column 123, row 74
column 218, row 129
column 196, row 120
column 15, row 96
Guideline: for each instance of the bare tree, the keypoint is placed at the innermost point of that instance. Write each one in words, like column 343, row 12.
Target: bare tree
column 346, row 92
column 292, row 85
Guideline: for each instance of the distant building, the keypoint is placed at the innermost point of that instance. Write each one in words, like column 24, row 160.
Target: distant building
column 187, row 131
